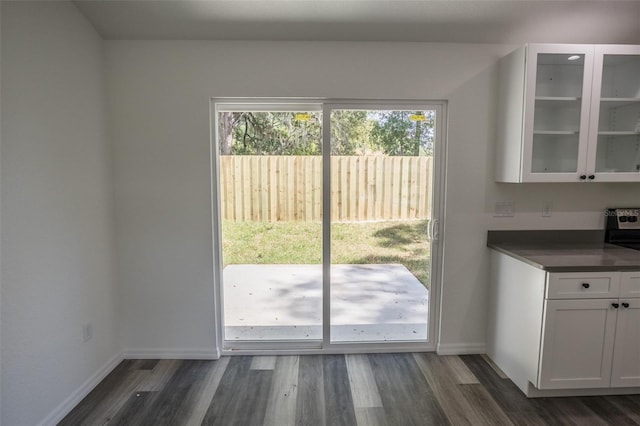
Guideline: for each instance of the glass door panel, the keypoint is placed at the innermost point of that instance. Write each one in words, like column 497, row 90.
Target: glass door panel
column 270, row 190
column 618, row 137
column 557, row 112
column 324, row 224
column 381, row 199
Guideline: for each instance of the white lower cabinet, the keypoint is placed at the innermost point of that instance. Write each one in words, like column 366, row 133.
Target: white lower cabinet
column 577, row 344
column 583, row 343
column 589, row 342
column 626, row 352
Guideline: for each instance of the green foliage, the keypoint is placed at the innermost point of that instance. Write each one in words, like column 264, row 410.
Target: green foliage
column 271, row 133
column 395, row 133
column 350, row 132
column 353, row 132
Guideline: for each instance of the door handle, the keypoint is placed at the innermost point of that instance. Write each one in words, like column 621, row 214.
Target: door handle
column 432, row 231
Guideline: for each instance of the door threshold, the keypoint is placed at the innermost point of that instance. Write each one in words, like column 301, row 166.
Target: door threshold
column 315, row 348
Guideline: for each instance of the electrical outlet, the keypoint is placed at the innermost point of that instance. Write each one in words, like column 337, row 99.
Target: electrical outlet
column 503, row 209
column 546, row 210
column 87, row 332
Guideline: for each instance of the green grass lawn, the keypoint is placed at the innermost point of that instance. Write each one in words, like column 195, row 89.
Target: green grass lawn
column 403, row 242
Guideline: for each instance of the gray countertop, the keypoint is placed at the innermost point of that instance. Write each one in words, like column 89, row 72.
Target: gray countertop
column 559, row 254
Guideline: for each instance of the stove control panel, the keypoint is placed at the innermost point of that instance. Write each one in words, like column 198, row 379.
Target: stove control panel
column 625, row 218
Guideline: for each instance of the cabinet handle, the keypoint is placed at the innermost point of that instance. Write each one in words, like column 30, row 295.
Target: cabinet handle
column 592, row 177
column 585, row 285
column 583, row 177
column 615, row 305
column 625, row 305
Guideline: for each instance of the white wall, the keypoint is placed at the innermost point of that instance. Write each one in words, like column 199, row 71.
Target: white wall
column 0, row 215
column 159, row 104
column 58, row 263
column 159, row 96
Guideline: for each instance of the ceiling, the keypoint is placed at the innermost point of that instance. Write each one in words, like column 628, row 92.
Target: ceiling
column 459, row 21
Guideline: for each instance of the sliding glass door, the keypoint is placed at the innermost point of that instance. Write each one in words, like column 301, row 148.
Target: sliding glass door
column 270, row 212
column 381, row 198
column 324, row 218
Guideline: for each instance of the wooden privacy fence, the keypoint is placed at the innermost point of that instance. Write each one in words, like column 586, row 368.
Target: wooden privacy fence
column 289, row 188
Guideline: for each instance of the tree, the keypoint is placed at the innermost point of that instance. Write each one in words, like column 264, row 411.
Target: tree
column 226, row 132
column 403, row 132
column 350, row 132
column 270, row 133
column 353, row 132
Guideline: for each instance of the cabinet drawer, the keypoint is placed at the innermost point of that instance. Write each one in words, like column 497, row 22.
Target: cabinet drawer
column 630, row 284
column 593, row 285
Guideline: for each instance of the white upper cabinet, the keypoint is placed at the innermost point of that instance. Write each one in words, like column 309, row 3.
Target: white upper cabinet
column 569, row 113
column 614, row 149
column 556, row 116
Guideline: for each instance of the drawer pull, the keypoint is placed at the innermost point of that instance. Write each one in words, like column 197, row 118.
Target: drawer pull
column 585, row 285
column 625, row 305
column 615, row 305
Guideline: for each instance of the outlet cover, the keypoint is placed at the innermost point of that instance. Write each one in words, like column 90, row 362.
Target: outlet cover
column 503, row 209
column 547, row 210
column 87, row 332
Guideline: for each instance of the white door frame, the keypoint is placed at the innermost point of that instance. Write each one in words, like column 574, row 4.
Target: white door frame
column 437, row 226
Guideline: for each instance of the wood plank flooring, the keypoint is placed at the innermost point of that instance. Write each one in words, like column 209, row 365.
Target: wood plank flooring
column 333, row 390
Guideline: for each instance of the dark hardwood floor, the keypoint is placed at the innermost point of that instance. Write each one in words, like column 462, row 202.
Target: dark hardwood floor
column 379, row 389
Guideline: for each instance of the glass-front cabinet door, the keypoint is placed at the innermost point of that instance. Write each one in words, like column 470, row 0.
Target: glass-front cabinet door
column 614, row 153
column 556, row 121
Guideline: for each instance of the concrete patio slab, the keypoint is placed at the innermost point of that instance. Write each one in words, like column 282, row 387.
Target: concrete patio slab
column 284, row 302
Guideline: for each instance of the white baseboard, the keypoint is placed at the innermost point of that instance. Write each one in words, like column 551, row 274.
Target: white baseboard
column 461, row 348
column 171, row 354
column 68, row 404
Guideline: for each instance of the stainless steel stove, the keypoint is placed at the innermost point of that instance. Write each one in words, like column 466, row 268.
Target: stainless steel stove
column 623, row 227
